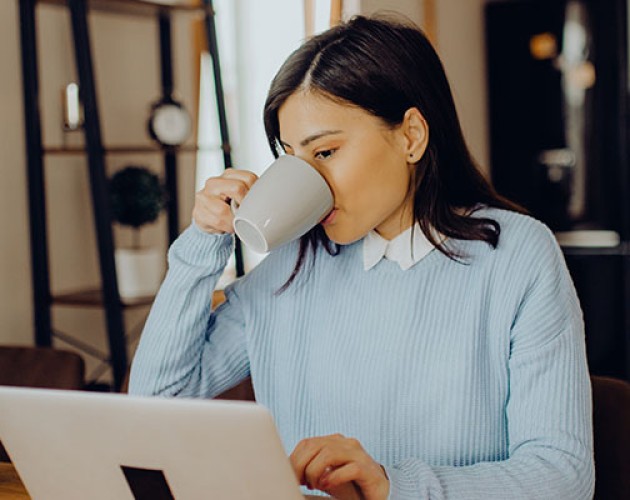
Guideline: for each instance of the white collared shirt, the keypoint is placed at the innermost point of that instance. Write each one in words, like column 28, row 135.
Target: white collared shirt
column 399, row 250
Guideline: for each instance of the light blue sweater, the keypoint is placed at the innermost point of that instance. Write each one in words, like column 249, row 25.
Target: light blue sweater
column 466, row 381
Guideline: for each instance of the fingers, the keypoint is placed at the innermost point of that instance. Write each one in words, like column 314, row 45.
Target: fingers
column 335, row 453
column 334, row 478
column 237, row 173
column 211, row 211
column 212, row 215
column 231, row 185
column 225, row 189
column 304, row 454
column 340, row 467
column 244, row 175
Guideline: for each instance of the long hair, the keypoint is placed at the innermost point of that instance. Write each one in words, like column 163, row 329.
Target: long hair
column 386, row 67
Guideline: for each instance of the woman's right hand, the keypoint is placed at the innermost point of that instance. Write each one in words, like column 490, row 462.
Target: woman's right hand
column 212, row 212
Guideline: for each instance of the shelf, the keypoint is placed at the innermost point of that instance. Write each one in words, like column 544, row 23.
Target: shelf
column 92, row 150
column 94, row 298
column 622, row 250
column 135, row 7
column 80, row 150
column 126, row 150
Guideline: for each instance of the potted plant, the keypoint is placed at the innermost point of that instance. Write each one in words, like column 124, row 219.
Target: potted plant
column 137, row 198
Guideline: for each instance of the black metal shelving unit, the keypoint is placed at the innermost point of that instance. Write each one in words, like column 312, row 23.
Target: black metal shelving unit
column 95, row 151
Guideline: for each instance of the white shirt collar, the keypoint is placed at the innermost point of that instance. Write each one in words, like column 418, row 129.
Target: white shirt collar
column 399, row 250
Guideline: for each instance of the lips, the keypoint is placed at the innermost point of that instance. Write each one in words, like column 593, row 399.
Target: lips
column 330, row 217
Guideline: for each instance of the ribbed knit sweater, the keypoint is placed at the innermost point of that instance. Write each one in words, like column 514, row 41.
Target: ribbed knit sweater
column 466, row 379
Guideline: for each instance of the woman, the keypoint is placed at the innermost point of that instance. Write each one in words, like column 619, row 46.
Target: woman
column 425, row 340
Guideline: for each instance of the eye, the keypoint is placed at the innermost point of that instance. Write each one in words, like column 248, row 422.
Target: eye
column 324, row 155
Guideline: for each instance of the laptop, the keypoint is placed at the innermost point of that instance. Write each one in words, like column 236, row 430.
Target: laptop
column 81, row 445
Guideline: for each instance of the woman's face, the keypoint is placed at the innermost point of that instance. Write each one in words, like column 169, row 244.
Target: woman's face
column 364, row 161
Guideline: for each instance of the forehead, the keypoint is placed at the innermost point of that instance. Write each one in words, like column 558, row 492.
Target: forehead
column 305, row 113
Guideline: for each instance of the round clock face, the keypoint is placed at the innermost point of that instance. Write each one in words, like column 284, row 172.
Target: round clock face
column 171, row 124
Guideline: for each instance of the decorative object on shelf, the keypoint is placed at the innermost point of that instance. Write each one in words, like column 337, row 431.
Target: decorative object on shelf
column 72, row 108
column 169, row 2
column 137, row 198
column 169, row 123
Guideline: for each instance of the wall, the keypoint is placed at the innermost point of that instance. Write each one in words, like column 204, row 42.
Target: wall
column 460, row 43
column 15, row 290
column 413, row 9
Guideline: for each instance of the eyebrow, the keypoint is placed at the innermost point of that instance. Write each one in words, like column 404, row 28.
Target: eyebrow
column 313, row 137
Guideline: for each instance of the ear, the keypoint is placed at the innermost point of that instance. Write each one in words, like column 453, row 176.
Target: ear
column 416, row 135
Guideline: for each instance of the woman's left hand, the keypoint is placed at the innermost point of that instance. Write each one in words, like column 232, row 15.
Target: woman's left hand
column 340, row 467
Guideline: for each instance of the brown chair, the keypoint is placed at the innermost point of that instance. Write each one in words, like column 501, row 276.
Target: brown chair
column 611, row 427
column 242, row 392
column 41, row 367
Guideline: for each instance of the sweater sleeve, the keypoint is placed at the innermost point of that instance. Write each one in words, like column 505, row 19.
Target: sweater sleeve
column 548, row 412
column 186, row 349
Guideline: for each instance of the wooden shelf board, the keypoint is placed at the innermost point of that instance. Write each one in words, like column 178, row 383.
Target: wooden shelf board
column 80, row 150
column 94, row 298
column 135, row 7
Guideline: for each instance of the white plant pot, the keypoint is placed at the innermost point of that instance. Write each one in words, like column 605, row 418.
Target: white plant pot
column 139, row 271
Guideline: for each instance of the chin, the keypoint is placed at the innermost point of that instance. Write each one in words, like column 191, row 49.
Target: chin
column 341, row 237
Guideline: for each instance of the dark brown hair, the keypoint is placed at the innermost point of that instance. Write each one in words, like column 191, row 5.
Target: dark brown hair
column 386, row 67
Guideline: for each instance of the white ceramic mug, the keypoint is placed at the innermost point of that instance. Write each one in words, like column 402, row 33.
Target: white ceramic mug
column 288, row 200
